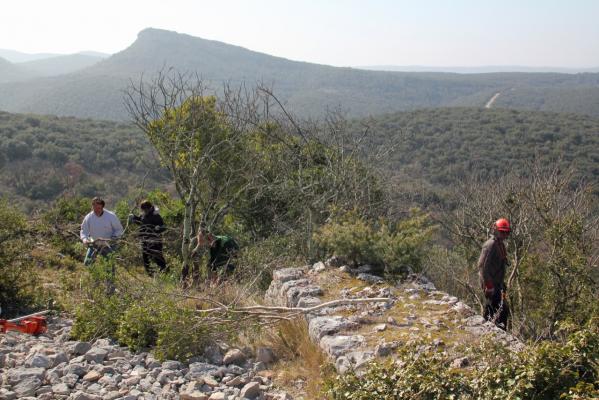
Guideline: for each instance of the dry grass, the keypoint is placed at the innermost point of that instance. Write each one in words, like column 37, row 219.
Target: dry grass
column 299, row 369
column 55, row 279
column 333, row 281
column 226, row 292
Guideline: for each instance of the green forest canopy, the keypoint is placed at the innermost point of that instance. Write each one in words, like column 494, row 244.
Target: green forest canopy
column 442, row 146
column 44, row 156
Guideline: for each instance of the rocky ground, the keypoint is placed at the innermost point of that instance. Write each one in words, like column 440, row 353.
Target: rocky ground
column 53, row 367
column 352, row 335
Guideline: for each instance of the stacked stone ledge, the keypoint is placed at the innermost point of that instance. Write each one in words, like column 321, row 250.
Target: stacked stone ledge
column 292, row 287
column 336, row 334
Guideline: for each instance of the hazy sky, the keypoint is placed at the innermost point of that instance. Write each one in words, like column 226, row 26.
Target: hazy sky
column 560, row 33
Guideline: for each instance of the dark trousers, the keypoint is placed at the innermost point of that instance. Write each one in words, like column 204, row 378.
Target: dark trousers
column 152, row 251
column 225, row 267
column 497, row 310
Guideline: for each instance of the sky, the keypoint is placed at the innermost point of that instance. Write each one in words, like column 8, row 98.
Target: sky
column 557, row 33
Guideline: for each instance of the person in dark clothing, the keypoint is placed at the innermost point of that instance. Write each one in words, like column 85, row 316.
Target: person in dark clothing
column 492, row 265
column 223, row 250
column 150, row 230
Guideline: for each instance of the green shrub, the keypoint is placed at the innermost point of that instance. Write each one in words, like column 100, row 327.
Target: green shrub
column 398, row 247
column 144, row 314
column 138, row 327
column 171, row 330
column 350, row 236
column 18, row 279
column 405, row 244
column 544, row 371
column 416, row 377
column 181, row 335
column 103, row 304
column 98, row 317
column 548, row 370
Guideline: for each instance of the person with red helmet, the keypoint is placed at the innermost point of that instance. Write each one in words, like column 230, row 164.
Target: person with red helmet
column 492, row 265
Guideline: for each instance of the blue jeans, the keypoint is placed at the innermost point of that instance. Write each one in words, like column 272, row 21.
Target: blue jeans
column 92, row 253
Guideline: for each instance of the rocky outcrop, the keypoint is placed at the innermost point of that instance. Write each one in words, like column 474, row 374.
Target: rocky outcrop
column 414, row 314
column 53, row 367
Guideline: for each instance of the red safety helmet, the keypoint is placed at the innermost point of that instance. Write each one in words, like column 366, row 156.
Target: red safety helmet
column 502, row 225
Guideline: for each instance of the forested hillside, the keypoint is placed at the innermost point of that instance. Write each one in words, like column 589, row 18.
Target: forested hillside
column 441, row 147
column 42, row 157
column 307, row 89
column 581, row 100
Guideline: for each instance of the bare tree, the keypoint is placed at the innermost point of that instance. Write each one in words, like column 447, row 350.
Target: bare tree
column 198, row 139
column 552, row 249
column 244, row 152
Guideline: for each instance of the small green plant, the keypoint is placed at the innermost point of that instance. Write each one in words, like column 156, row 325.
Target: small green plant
column 350, row 236
column 544, row 371
column 99, row 317
column 181, row 335
column 398, row 247
column 138, row 327
column 18, row 280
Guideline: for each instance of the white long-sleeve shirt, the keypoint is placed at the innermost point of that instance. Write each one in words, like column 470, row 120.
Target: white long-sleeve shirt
column 106, row 226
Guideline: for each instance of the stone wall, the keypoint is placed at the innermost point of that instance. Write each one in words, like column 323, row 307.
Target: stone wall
column 415, row 314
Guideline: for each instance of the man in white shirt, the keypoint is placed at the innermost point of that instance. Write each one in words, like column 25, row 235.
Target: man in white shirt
column 99, row 224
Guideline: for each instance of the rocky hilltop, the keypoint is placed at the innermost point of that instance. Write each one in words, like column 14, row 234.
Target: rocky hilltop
column 368, row 318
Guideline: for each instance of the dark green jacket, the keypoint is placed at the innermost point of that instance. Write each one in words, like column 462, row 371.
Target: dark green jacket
column 224, row 249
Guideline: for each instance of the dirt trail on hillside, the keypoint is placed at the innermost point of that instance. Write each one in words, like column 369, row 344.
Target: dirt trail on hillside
column 492, row 100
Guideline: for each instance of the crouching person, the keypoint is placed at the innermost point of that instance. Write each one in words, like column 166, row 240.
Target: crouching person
column 150, row 232
column 223, row 251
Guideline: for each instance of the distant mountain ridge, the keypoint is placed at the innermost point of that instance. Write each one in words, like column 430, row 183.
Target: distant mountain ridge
column 43, row 65
column 10, row 72
column 485, row 69
column 307, row 89
column 15, row 56
column 60, row 65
